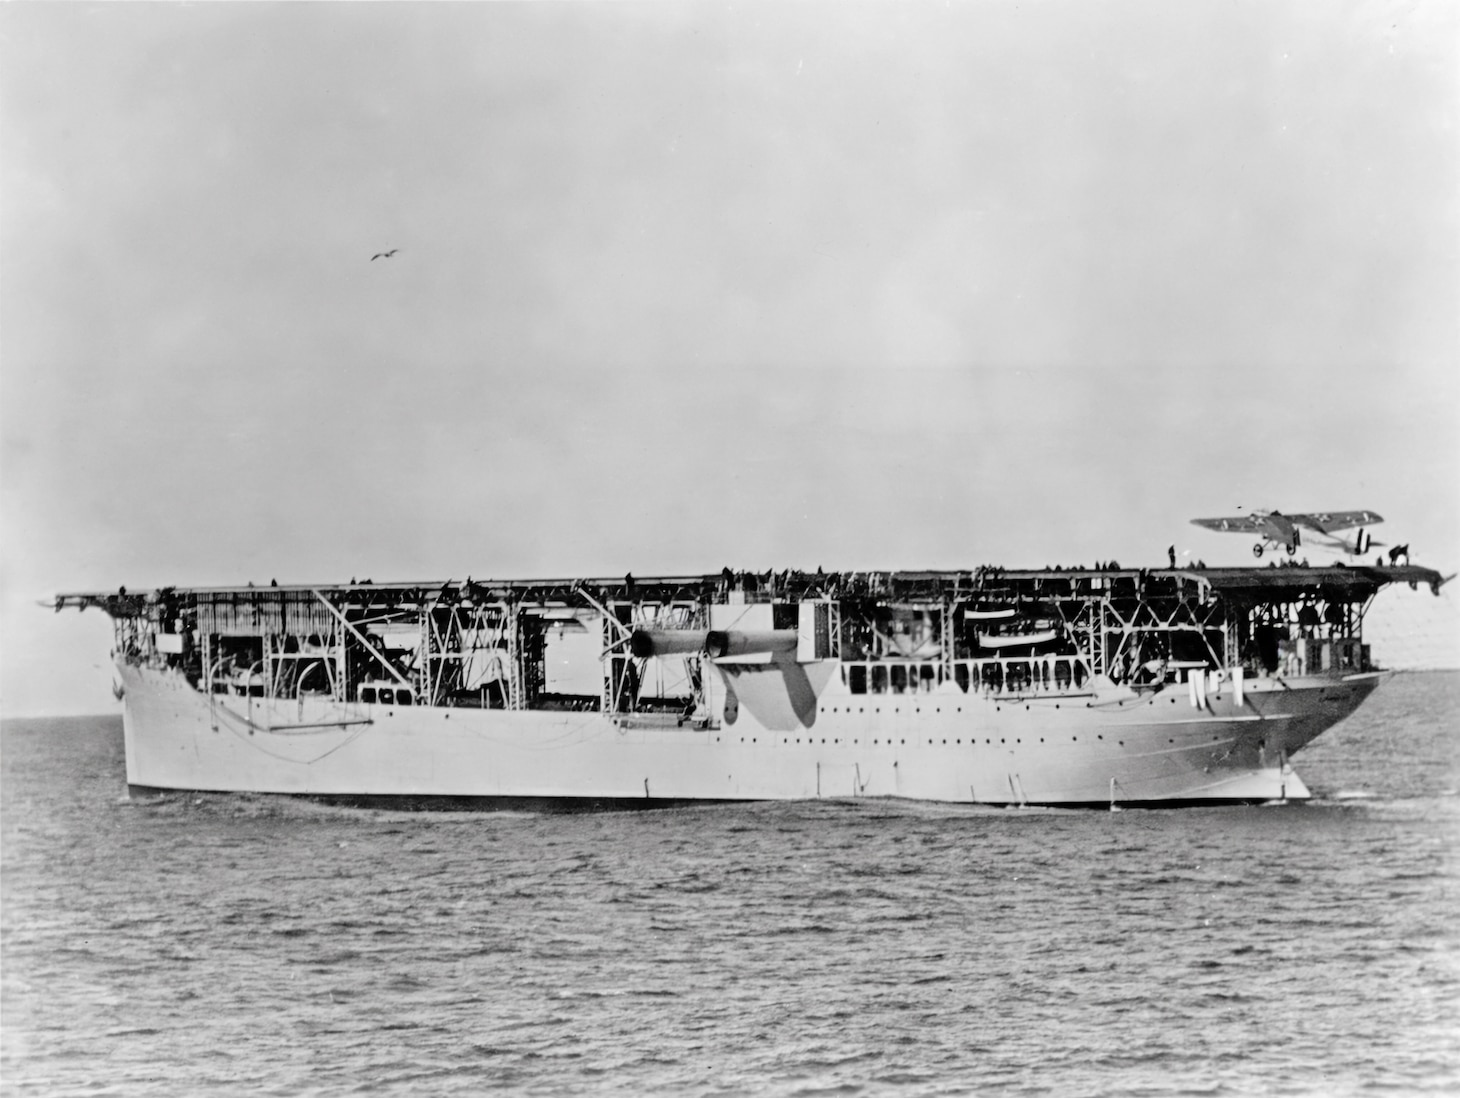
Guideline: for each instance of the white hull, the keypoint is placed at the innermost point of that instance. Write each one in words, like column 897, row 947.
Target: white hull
column 1113, row 744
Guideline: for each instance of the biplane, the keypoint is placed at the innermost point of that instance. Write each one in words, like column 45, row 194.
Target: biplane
column 1276, row 529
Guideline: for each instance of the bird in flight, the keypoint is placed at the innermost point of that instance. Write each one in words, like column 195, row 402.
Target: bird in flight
column 383, row 255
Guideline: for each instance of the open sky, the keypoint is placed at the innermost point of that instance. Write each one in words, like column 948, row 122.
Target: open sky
column 681, row 286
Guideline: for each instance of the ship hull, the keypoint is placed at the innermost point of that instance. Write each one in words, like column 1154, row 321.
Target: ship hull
column 1159, row 747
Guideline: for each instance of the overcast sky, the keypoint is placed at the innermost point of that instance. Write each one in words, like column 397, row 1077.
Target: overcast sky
column 681, row 286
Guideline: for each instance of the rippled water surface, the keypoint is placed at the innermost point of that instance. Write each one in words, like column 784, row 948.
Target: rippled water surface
column 229, row 944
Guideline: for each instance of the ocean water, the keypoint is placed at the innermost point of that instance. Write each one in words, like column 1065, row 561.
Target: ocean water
column 257, row 945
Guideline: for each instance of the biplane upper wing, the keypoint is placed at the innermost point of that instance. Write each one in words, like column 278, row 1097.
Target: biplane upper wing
column 1244, row 524
column 1325, row 522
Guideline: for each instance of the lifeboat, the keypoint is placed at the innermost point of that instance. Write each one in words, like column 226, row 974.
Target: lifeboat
column 1016, row 640
column 989, row 613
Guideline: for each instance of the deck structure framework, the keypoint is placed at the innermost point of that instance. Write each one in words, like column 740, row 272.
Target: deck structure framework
column 484, row 644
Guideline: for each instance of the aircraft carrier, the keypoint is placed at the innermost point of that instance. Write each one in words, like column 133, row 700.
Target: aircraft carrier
column 1102, row 686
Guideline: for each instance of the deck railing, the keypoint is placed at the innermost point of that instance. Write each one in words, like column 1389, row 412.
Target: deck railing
column 1024, row 675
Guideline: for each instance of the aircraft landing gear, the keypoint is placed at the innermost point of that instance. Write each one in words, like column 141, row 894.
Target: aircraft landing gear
column 1257, row 549
column 1292, row 548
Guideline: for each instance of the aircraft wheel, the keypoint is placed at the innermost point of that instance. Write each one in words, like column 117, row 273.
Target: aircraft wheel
column 1292, row 549
column 1257, row 549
